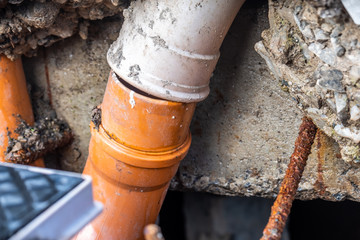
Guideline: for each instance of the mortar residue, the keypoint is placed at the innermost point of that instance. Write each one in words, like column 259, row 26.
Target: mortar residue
column 33, row 142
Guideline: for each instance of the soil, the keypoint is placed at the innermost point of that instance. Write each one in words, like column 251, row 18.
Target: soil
column 96, row 117
column 33, row 142
column 26, row 25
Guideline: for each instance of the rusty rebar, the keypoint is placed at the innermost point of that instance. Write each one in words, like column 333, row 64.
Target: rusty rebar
column 153, row 232
column 282, row 205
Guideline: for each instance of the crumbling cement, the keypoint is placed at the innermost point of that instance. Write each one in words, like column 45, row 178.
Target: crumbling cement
column 313, row 49
column 26, row 25
column 33, row 142
column 244, row 132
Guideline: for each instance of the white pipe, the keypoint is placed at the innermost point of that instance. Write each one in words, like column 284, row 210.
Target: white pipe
column 169, row 48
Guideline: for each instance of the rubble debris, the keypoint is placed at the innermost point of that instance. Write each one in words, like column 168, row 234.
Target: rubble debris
column 33, row 142
column 323, row 67
column 26, row 25
column 282, row 205
column 96, row 117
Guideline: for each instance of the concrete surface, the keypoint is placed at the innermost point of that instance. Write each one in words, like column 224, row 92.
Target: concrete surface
column 72, row 75
column 312, row 49
column 243, row 134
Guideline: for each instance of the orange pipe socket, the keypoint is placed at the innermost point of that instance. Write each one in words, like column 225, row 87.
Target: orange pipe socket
column 133, row 155
column 14, row 100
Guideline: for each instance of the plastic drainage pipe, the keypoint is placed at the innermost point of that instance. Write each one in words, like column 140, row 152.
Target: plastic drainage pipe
column 14, row 101
column 133, row 155
column 169, row 49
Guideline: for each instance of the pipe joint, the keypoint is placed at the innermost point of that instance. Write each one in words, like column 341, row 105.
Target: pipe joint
column 170, row 49
column 122, row 164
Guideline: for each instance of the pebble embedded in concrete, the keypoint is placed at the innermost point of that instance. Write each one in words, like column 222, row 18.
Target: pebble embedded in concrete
column 347, row 132
column 354, row 113
column 337, row 31
column 320, row 35
column 331, row 80
column 354, row 73
column 341, row 102
column 340, row 51
column 327, row 27
column 324, row 53
column 308, row 32
column 335, row 49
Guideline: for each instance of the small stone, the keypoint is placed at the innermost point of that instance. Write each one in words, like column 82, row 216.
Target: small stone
column 353, row 134
column 354, row 113
column 260, row 49
column 335, row 41
column 327, row 27
column 316, row 47
column 354, row 43
column 337, row 31
column 331, row 80
column 16, row 147
column 341, row 102
column 354, row 73
column 297, row 9
column 305, row 50
column 307, row 32
column 340, row 51
column 83, row 30
column 356, row 97
column 329, row 12
column 354, row 56
column 325, row 54
column 331, row 104
column 320, row 35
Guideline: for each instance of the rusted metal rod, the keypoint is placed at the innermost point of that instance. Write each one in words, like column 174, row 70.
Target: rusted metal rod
column 282, row 205
column 153, row 232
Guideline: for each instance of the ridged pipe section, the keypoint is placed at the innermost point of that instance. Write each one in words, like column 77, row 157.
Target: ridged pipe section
column 169, row 49
column 133, row 155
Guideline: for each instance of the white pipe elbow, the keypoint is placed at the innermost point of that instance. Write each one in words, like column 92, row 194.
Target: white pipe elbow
column 169, row 49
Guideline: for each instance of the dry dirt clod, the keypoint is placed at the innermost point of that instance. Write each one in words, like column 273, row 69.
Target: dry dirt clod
column 35, row 141
column 96, row 117
column 26, row 25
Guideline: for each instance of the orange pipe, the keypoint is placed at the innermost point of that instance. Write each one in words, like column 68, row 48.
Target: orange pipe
column 166, row 123
column 14, row 100
column 133, row 155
